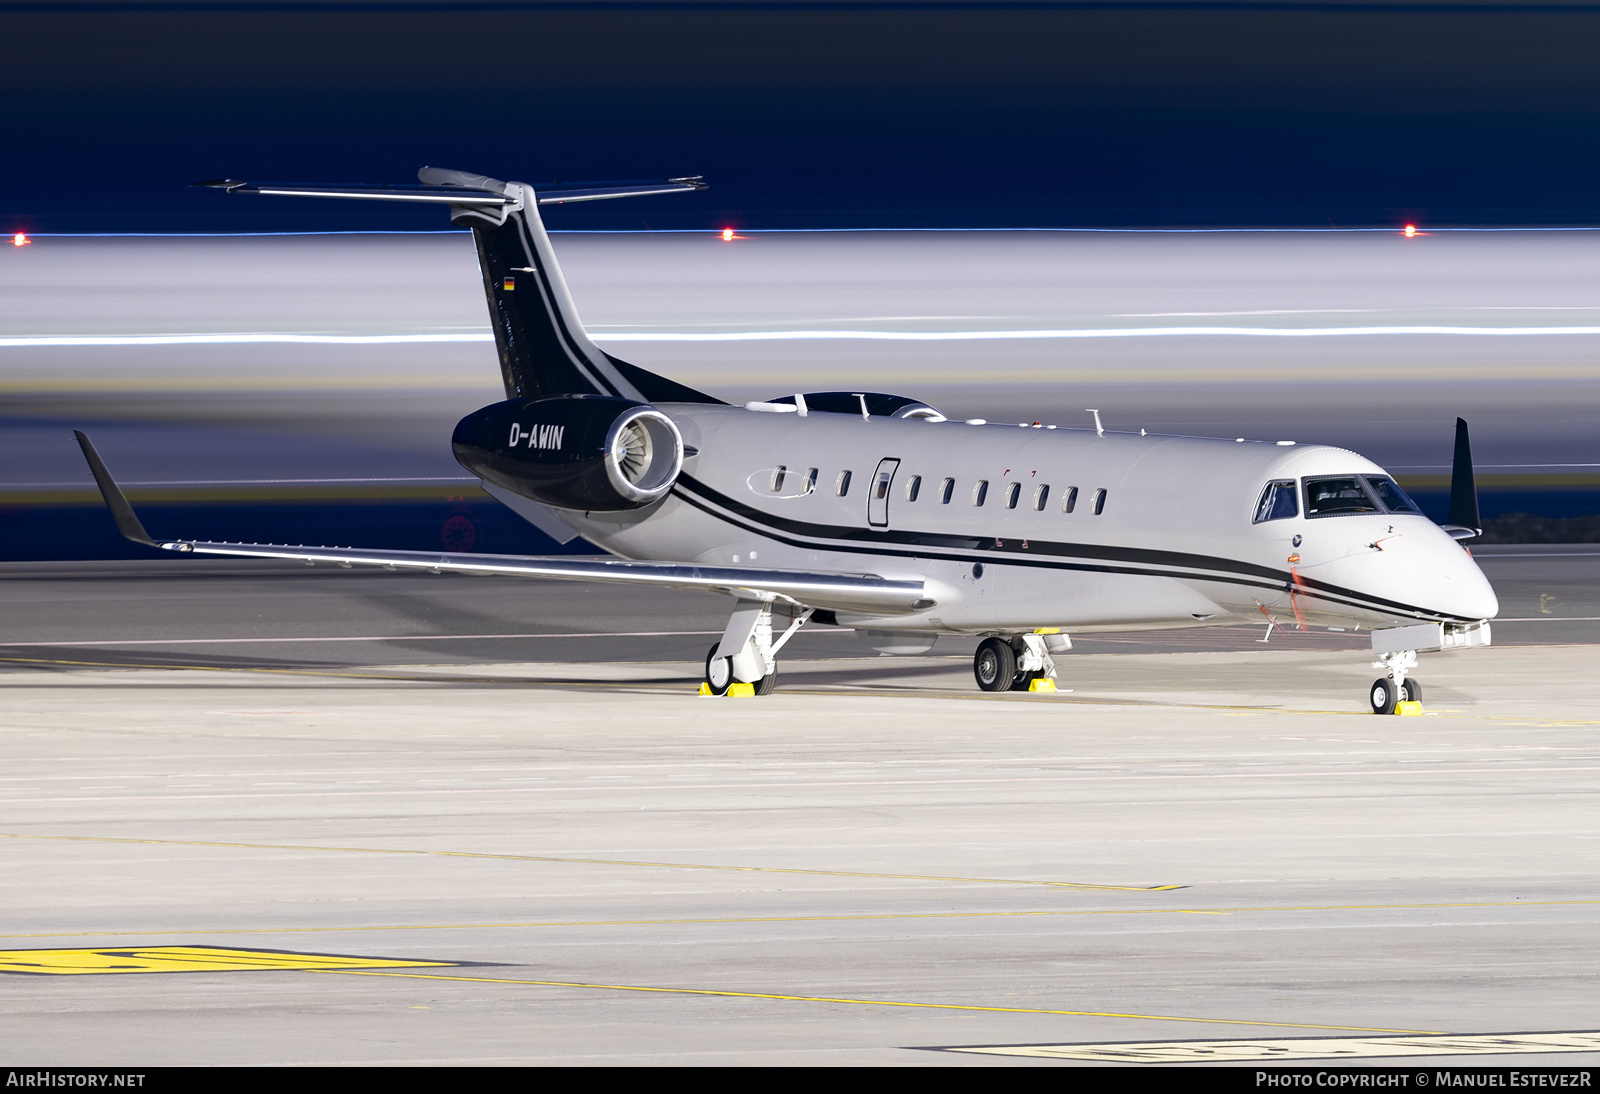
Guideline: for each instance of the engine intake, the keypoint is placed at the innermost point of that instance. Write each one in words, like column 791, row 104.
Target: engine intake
column 588, row 452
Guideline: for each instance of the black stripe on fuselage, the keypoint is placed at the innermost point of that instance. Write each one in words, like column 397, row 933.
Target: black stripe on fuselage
column 902, row 544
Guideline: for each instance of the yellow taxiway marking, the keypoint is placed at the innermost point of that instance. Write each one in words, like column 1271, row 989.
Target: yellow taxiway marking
column 440, row 678
column 664, row 687
column 1302, row 1048
column 859, row 916
column 868, row 1002
column 603, row 862
column 189, row 959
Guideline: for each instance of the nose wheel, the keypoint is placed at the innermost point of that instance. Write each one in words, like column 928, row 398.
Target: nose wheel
column 1384, row 696
column 1388, row 691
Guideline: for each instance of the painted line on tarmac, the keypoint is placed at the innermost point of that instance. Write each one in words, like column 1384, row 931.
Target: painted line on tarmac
column 357, row 638
column 432, row 678
column 601, row 862
column 117, row 960
column 1300, row 1048
column 1466, row 768
column 1548, row 618
column 657, row 684
column 843, row 918
column 876, row 1002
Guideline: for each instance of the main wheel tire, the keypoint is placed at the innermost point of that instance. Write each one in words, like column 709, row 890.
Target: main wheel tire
column 994, row 665
column 765, row 685
column 1024, row 679
column 1413, row 691
column 719, row 672
column 1383, row 695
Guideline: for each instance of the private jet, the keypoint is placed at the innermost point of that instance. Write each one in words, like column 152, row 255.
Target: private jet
column 876, row 512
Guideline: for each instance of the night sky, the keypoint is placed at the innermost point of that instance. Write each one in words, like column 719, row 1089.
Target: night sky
column 811, row 114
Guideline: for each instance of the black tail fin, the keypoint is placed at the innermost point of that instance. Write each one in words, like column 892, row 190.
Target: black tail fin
column 1464, row 521
column 544, row 350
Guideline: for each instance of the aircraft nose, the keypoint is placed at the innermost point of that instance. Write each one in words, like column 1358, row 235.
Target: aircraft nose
column 1465, row 591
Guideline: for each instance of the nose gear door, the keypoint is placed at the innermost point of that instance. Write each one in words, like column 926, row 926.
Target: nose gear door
column 878, row 495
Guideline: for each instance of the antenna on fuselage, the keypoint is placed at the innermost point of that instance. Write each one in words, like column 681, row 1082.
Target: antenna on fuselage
column 1099, row 430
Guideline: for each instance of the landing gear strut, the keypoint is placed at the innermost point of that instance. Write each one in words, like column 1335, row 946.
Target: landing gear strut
column 1389, row 690
column 754, row 660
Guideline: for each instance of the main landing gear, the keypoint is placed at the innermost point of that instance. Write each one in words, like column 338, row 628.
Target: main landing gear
column 1392, row 689
column 754, row 661
column 1013, row 664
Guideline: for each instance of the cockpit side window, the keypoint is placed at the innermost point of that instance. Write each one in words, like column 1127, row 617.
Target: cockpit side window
column 1394, row 499
column 1344, row 496
column 1277, row 502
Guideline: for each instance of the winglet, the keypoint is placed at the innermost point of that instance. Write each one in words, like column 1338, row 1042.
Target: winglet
column 121, row 512
column 1464, row 521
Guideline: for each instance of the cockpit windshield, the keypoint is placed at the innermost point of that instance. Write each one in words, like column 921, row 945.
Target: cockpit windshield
column 1348, row 495
column 1340, row 497
column 1394, row 499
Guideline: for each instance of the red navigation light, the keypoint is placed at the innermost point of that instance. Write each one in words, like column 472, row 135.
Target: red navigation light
column 727, row 235
column 1411, row 231
column 20, row 240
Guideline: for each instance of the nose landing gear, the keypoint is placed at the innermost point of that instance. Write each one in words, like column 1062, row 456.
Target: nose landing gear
column 1389, row 691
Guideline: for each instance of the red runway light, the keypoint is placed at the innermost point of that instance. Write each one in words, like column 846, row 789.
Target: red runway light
column 727, row 235
column 20, row 240
column 1411, row 231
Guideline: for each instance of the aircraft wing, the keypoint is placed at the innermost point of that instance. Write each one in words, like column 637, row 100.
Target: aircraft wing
column 817, row 589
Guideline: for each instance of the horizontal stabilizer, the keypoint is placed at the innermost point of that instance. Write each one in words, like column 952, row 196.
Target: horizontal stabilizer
column 599, row 192
column 444, row 187
column 437, row 194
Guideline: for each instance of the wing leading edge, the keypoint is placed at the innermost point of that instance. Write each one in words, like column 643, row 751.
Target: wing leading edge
column 817, row 589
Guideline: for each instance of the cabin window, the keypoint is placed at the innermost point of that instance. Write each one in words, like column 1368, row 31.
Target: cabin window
column 1394, row 499
column 1013, row 492
column 947, row 490
column 1099, row 501
column 1041, row 495
column 880, row 491
column 913, row 487
column 1277, row 502
column 842, row 486
column 980, row 493
column 777, row 477
column 1070, row 501
column 811, row 480
column 1340, row 497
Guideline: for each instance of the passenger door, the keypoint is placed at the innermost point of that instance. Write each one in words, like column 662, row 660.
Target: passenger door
column 878, row 494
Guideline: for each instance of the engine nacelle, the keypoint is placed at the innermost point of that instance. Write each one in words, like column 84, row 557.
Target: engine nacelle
column 588, row 452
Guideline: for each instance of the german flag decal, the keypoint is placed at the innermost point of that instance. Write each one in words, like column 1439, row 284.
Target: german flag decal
column 508, row 283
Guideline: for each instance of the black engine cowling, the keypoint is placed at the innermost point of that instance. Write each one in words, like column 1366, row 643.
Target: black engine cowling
column 589, row 452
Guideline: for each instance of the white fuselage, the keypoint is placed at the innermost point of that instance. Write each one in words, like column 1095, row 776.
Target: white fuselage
column 1173, row 543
